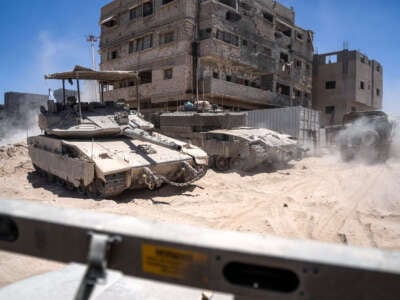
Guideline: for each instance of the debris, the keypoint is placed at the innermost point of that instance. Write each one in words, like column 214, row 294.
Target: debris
column 206, row 295
column 343, row 238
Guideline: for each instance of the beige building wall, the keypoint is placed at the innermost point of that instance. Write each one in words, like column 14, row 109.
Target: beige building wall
column 345, row 81
column 245, row 55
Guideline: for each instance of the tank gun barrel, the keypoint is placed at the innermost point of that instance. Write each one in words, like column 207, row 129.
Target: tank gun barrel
column 140, row 134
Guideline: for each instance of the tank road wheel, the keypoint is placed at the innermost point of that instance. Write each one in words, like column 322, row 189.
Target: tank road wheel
column 69, row 186
column 236, row 163
column 60, row 181
column 222, row 163
column 51, row 177
column 81, row 190
column 39, row 171
column 98, row 187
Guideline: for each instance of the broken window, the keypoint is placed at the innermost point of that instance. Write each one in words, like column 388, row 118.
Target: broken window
column 378, row 92
column 228, row 37
column 145, row 77
column 330, row 85
column 166, row 1
column 168, row 74
column 267, row 16
column 232, row 16
column 329, row 110
column 286, row 30
column 297, row 93
column 144, row 43
column 299, row 64
column 216, row 75
column 147, row 8
column 284, row 57
column 246, row 82
column 283, row 89
column 244, row 43
column 131, row 46
column 362, row 59
column 230, row 3
column 135, row 12
column 378, row 68
column 228, row 78
column 166, row 38
column 299, row 36
column 205, row 33
column 114, row 54
column 245, row 5
column 362, row 85
column 331, row 59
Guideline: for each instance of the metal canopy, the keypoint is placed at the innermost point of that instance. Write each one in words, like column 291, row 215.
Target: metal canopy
column 107, row 20
column 82, row 73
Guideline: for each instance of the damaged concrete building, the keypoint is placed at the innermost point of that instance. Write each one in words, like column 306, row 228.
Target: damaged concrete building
column 245, row 54
column 346, row 81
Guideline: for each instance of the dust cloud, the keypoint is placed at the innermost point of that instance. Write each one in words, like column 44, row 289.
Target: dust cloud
column 364, row 140
column 17, row 125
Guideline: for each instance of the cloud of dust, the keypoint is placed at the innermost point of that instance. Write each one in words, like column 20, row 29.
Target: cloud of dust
column 90, row 91
column 16, row 125
column 395, row 147
column 362, row 140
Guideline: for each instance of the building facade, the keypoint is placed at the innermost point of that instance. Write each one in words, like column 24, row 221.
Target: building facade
column 243, row 54
column 346, row 81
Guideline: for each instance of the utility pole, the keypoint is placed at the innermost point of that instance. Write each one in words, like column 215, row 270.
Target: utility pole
column 92, row 40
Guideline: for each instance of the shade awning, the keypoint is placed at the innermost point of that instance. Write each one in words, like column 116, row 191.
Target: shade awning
column 107, row 20
column 83, row 73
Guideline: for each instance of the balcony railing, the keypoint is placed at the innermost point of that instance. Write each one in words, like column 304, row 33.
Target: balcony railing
column 221, row 88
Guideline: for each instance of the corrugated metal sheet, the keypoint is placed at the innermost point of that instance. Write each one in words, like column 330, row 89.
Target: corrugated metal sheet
column 299, row 122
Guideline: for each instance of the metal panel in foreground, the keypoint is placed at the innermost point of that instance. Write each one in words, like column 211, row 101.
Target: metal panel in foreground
column 246, row 265
column 299, row 122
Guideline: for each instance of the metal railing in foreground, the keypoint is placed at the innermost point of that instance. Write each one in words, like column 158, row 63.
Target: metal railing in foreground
column 248, row 266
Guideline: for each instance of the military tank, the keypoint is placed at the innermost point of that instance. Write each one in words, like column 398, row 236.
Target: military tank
column 104, row 148
column 366, row 135
column 223, row 135
column 245, row 148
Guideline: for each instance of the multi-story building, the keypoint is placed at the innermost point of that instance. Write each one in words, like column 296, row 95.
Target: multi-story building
column 240, row 54
column 345, row 81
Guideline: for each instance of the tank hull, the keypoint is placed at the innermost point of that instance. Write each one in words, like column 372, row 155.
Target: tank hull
column 108, row 167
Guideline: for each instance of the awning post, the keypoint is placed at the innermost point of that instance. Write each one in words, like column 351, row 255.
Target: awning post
column 79, row 100
column 63, row 87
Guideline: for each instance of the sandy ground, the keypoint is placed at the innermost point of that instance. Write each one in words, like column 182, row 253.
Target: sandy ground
column 317, row 198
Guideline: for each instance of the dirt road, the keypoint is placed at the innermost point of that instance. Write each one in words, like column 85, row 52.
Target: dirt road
column 317, row 198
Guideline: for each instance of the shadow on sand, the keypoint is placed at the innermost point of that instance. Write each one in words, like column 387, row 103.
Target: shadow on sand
column 263, row 168
column 127, row 196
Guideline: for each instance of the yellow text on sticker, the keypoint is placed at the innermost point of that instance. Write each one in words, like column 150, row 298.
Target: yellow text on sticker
column 171, row 262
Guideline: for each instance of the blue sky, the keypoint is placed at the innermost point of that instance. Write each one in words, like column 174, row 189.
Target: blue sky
column 44, row 36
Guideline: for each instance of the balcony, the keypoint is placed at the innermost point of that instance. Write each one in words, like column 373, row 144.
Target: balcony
column 216, row 50
column 221, row 88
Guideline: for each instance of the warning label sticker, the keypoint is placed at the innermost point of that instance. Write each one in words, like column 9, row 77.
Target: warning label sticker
column 172, row 262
